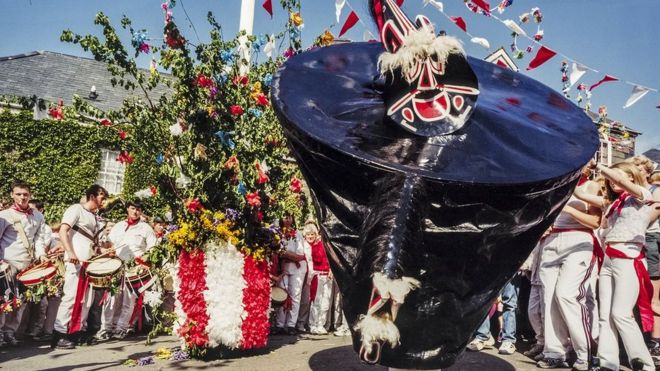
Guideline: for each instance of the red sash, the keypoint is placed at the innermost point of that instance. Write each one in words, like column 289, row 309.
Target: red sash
column 314, row 286
column 645, row 286
column 598, row 254
column 76, row 314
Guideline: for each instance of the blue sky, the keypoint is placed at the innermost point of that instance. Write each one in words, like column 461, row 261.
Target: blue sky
column 617, row 37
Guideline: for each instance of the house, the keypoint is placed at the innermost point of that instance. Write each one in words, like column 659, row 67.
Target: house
column 45, row 77
column 617, row 141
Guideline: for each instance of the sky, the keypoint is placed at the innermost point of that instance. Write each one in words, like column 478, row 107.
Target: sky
column 615, row 37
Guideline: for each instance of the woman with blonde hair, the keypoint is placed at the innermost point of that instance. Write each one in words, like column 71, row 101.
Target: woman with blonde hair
column 623, row 279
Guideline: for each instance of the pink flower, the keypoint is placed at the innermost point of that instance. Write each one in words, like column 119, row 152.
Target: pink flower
column 253, row 199
column 262, row 100
column 145, row 48
column 105, row 122
column 236, row 110
column 296, row 185
column 122, row 134
column 193, row 205
column 231, row 162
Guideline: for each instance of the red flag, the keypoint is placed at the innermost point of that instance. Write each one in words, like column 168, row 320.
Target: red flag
column 268, row 5
column 483, row 4
column 607, row 78
column 350, row 22
column 399, row 2
column 543, row 55
column 459, row 22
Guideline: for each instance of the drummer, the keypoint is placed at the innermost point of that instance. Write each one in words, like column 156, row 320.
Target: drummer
column 22, row 241
column 78, row 234
column 130, row 238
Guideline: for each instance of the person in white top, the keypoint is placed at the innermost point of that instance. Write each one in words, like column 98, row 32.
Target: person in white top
column 22, row 241
column 130, row 238
column 623, row 279
column 78, row 234
column 294, row 271
column 568, row 263
column 652, row 244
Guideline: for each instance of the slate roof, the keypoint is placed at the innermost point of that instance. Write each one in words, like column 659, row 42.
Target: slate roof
column 53, row 76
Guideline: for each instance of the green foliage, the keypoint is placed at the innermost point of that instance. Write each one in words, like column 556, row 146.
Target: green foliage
column 60, row 159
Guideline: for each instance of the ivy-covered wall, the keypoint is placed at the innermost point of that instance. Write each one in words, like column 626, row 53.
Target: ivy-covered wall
column 60, row 159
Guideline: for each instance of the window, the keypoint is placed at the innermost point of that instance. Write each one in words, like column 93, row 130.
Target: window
column 604, row 154
column 111, row 174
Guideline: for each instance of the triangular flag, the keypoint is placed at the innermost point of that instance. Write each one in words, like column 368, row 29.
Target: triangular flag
column 542, row 56
column 350, row 22
column 436, row 4
column 637, row 93
column 607, row 78
column 483, row 4
column 481, row 42
column 268, row 5
column 577, row 71
column 459, row 22
column 513, row 26
column 339, row 5
column 368, row 36
column 399, row 2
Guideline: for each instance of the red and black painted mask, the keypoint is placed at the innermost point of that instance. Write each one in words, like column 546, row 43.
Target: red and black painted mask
column 430, row 88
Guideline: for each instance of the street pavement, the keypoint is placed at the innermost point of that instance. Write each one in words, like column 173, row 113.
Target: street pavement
column 307, row 352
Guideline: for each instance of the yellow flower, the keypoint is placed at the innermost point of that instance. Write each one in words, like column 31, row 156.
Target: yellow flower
column 296, row 19
column 163, row 353
column 327, row 38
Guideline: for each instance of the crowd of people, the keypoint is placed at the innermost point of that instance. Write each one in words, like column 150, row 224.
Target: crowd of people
column 594, row 276
column 86, row 249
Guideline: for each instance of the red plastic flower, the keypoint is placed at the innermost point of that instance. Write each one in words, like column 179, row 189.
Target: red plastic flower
column 145, row 48
column 260, row 216
column 193, row 205
column 262, row 177
column 253, row 199
column 122, row 134
column 56, row 113
column 105, row 122
column 289, row 53
column 125, row 158
column 242, row 80
column 296, row 185
column 261, row 99
column 236, row 110
column 153, row 189
column 232, row 162
column 204, row 82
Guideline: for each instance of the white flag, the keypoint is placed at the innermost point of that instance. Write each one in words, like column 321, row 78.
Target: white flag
column 513, row 26
column 637, row 93
column 366, row 36
column 339, row 5
column 436, row 4
column 481, row 41
column 576, row 72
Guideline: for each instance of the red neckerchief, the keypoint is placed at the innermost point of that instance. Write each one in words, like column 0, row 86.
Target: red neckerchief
column 27, row 211
column 130, row 223
column 289, row 233
column 618, row 204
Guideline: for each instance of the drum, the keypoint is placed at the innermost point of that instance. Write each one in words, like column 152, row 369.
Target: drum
column 140, row 278
column 37, row 274
column 102, row 270
column 278, row 295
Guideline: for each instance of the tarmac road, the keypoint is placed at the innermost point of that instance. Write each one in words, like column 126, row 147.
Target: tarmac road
column 307, row 352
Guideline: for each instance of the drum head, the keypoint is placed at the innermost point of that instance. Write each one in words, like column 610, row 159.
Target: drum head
column 103, row 266
column 36, row 274
column 278, row 295
column 135, row 274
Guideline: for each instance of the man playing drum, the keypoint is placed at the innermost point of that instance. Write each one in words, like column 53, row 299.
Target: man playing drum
column 78, row 234
column 22, row 240
column 130, row 238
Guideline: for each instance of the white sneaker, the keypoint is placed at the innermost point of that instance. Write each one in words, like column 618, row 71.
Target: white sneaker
column 342, row 332
column 580, row 365
column 488, row 343
column 318, row 331
column 507, row 347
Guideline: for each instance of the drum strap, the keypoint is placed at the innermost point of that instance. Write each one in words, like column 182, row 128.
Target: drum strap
column 24, row 239
column 93, row 238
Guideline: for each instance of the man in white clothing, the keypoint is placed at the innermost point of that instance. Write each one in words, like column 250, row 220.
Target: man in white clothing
column 22, row 241
column 130, row 238
column 79, row 236
column 294, row 271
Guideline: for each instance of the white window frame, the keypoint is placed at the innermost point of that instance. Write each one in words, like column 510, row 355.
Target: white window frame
column 111, row 172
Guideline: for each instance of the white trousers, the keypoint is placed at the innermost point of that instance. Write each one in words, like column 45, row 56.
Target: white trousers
column 69, row 290
column 618, row 291
column 293, row 279
column 321, row 304
column 565, row 271
column 535, row 313
column 339, row 319
column 118, row 310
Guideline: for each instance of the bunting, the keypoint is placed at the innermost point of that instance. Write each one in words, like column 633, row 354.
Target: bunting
column 576, row 73
column 459, row 22
column 349, row 23
column 607, row 78
column 339, row 5
column 543, row 55
column 638, row 92
column 268, row 5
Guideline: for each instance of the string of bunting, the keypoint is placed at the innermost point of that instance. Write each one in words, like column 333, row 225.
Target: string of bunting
column 544, row 53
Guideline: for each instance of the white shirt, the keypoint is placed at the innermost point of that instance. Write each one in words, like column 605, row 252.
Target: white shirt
column 631, row 225
column 565, row 220
column 11, row 245
column 295, row 245
column 77, row 215
column 132, row 242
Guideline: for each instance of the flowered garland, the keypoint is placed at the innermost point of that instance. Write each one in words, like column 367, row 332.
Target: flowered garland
column 255, row 326
column 192, row 281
